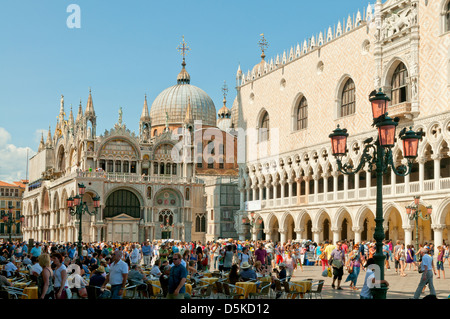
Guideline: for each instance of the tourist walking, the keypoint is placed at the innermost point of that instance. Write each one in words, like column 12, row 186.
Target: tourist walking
column 354, row 266
column 440, row 262
column 337, row 262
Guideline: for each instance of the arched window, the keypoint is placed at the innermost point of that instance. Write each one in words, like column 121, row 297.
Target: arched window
column 302, row 114
column 264, row 127
column 348, row 101
column 174, row 169
column 399, row 92
column 187, row 194
column 200, row 223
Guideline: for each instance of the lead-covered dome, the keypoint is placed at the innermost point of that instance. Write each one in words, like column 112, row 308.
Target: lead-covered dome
column 174, row 102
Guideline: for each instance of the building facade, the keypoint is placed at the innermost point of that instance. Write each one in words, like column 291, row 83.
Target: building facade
column 11, row 196
column 290, row 180
column 151, row 185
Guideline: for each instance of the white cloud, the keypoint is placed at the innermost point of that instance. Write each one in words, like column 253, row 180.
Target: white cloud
column 13, row 159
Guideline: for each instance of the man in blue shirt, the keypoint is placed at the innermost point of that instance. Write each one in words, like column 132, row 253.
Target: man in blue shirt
column 25, row 248
column 71, row 252
column 177, row 279
column 36, row 250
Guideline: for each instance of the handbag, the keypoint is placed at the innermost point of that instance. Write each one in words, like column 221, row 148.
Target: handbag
column 330, row 273
column 350, row 269
column 336, row 263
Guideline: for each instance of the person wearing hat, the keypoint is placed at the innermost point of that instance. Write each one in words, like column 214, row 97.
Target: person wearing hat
column 247, row 273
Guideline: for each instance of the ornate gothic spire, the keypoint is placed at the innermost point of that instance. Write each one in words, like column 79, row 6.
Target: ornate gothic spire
column 90, row 105
column 48, row 143
column 80, row 112
column 41, row 144
column 71, row 121
column 145, row 116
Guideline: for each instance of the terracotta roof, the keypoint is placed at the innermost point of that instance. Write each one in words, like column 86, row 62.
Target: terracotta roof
column 6, row 184
column 21, row 184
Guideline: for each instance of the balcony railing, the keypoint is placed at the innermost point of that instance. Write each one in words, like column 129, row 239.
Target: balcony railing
column 127, row 178
column 361, row 194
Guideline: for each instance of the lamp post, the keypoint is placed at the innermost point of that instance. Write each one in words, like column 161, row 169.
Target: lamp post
column 77, row 208
column 378, row 156
column 413, row 212
column 9, row 220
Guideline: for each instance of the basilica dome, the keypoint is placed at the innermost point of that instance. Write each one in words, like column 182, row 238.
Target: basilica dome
column 171, row 104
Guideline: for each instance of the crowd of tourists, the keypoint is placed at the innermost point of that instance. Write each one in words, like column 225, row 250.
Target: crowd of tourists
column 59, row 270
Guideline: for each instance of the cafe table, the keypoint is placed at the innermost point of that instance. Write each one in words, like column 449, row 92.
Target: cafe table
column 207, row 274
column 300, row 286
column 248, row 287
column 31, row 292
column 156, row 285
column 209, row 280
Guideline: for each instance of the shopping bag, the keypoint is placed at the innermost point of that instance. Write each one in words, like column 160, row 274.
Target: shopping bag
column 325, row 273
column 330, row 273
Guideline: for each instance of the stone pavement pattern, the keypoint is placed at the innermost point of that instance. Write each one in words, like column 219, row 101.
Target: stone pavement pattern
column 399, row 287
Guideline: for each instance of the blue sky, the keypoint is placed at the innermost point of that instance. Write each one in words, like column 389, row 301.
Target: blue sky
column 125, row 49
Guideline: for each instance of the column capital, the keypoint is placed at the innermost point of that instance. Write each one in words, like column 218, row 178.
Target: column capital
column 357, row 229
column 439, row 227
column 435, row 157
column 298, row 179
column 421, row 160
column 408, row 228
column 336, row 229
column 316, row 230
column 282, row 231
column 299, row 230
column 267, row 231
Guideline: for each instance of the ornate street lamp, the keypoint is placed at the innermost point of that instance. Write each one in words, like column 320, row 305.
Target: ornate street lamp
column 78, row 208
column 413, row 212
column 9, row 220
column 378, row 156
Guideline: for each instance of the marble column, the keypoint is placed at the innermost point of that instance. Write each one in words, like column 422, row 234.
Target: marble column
column 409, row 240
column 421, row 161
column 316, row 235
column 283, row 235
column 357, row 231
column 437, row 171
column 336, row 235
column 438, row 235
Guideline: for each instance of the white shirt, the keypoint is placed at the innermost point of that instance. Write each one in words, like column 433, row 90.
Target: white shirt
column 155, row 271
column 116, row 270
column 135, row 256
column 10, row 268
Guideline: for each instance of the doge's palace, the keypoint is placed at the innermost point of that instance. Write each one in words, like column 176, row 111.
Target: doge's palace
column 295, row 99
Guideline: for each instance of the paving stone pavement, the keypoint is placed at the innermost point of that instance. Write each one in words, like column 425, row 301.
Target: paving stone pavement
column 399, row 287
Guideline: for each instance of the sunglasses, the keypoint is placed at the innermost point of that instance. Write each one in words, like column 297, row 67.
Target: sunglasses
column 175, row 259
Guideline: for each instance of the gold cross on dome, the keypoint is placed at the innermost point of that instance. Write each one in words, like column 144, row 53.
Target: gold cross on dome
column 263, row 44
column 183, row 48
column 225, row 89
